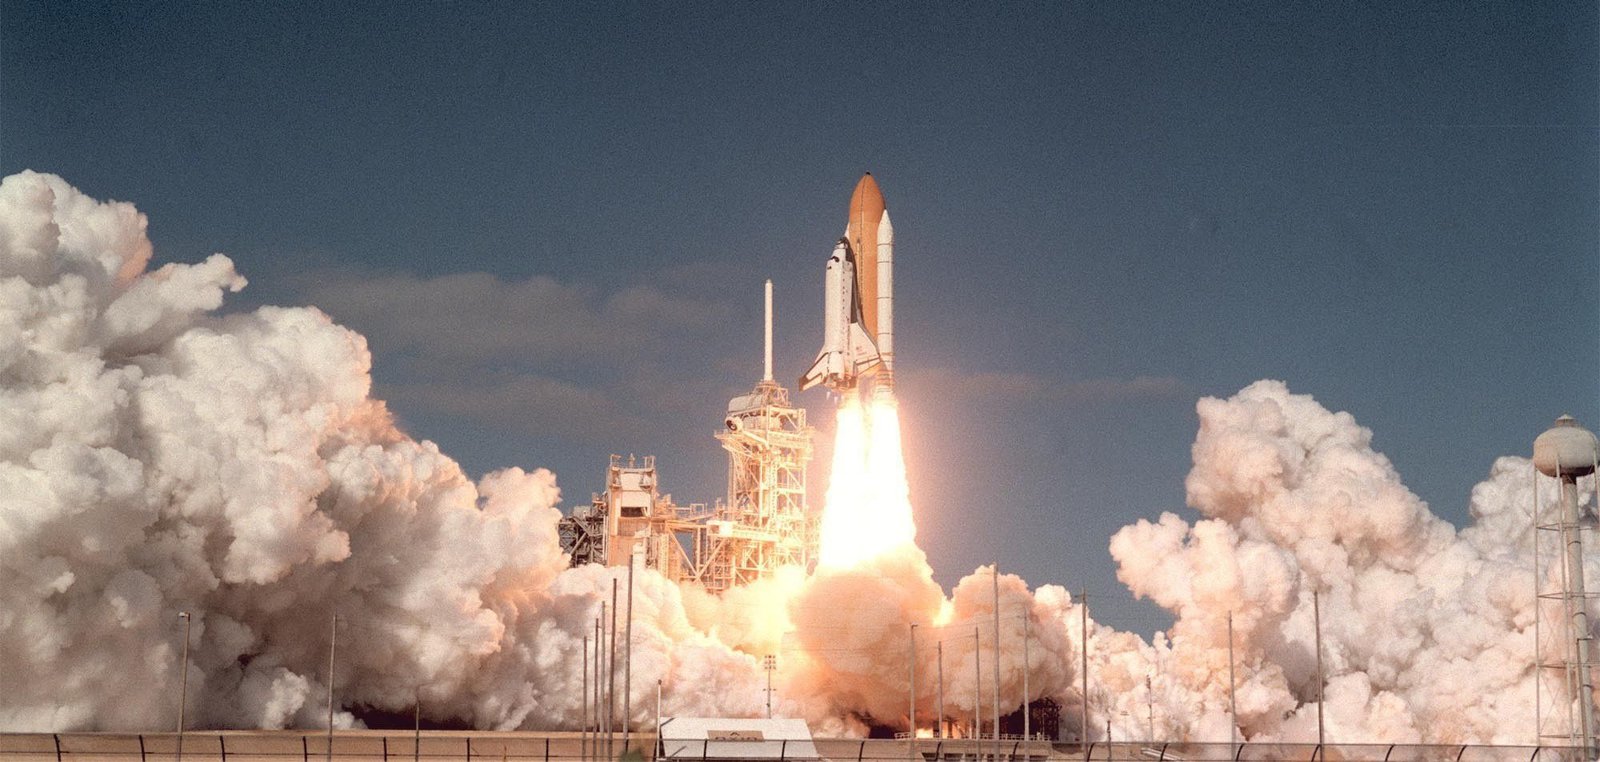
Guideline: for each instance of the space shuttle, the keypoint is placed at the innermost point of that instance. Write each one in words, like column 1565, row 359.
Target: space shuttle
column 858, row 300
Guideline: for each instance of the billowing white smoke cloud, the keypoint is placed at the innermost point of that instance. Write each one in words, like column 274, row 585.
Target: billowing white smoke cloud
column 1427, row 631
column 157, row 456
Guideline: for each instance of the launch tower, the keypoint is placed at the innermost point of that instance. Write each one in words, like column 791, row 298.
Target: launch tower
column 764, row 524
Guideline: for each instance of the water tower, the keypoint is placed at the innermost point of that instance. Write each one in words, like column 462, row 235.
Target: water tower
column 1564, row 643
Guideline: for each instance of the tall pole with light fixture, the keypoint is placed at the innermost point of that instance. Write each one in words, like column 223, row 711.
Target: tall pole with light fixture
column 627, row 658
column 941, row 688
column 333, row 644
column 769, row 663
column 183, row 679
column 911, row 693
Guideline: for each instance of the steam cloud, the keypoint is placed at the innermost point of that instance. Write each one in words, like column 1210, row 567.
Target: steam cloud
column 158, row 456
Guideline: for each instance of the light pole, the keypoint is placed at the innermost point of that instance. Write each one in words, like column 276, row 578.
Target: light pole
column 183, row 680
column 1233, row 707
column 1150, row 705
column 627, row 657
column 994, row 576
column 941, row 688
column 333, row 645
column 1322, row 680
column 911, row 669
column 583, row 738
column 1027, row 666
column 611, row 679
column 599, row 677
column 769, row 663
column 977, row 692
column 1083, row 649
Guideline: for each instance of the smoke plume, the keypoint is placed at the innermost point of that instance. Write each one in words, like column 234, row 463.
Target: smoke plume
column 158, row 455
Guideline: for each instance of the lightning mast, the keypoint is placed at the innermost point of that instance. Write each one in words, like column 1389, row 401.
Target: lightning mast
column 765, row 524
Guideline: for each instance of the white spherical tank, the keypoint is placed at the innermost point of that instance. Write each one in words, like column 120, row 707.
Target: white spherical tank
column 1566, row 449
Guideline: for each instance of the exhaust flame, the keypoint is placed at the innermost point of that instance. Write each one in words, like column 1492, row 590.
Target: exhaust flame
column 868, row 510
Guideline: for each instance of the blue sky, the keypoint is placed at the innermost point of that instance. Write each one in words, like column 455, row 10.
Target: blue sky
column 552, row 221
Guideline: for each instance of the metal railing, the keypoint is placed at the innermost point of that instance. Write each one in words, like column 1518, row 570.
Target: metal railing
column 440, row 746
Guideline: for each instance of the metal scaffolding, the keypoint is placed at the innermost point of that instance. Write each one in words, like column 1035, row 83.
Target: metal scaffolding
column 633, row 516
column 764, row 524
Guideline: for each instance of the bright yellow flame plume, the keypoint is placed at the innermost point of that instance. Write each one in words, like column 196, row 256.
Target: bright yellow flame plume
column 868, row 510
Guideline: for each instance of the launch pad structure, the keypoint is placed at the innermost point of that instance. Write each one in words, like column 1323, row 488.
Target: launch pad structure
column 763, row 524
column 633, row 518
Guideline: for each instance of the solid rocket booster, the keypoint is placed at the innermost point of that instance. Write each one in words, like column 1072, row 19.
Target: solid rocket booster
column 858, row 299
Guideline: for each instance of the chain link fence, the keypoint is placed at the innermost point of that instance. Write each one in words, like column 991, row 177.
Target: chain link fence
column 437, row 746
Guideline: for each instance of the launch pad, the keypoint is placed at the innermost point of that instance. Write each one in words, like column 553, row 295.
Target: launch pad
column 763, row 524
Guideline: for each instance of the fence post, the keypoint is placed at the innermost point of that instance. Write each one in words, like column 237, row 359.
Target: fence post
column 705, row 747
column 305, row 749
column 57, row 736
column 1459, row 753
column 1014, row 749
column 1387, row 753
column 861, row 750
column 783, row 750
column 222, row 744
column 469, row 748
column 1237, row 753
column 385, row 750
column 141, row 747
column 547, row 749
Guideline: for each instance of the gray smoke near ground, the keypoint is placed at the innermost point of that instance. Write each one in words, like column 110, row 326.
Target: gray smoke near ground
column 158, row 456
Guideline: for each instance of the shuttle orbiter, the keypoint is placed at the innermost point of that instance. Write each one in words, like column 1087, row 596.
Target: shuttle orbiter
column 858, row 299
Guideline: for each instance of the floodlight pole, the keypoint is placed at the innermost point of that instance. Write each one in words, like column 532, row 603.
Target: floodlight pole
column 627, row 659
column 183, row 680
column 611, row 679
column 1322, row 679
column 1027, row 666
column 995, row 578
column 583, row 736
column 911, row 693
column 333, row 645
column 1150, row 706
column 977, row 691
column 769, row 663
column 1083, row 648
column 941, row 689
column 1233, row 707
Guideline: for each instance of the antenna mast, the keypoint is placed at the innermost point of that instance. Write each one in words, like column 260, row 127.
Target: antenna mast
column 766, row 373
